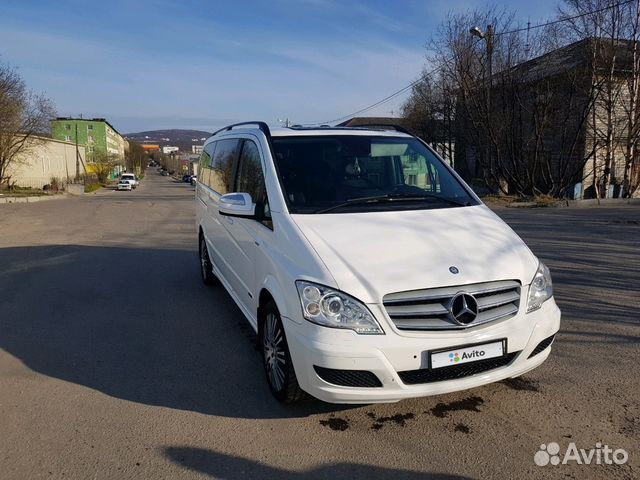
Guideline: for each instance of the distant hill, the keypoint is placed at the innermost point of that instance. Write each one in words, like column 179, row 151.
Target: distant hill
column 176, row 137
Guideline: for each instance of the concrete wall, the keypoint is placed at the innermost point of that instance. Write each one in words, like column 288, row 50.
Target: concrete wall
column 42, row 159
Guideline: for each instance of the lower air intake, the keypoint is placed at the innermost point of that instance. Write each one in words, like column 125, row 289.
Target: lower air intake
column 425, row 375
column 348, row 378
column 542, row 346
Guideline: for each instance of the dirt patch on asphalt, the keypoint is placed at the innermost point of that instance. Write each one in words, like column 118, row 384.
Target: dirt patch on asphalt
column 335, row 423
column 521, row 383
column 470, row 404
column 399, row 419
column 461, row 427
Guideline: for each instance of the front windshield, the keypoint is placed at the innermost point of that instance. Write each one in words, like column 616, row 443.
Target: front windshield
column 340, row 174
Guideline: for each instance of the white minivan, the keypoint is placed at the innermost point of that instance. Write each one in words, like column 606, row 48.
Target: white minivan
column 370, row 271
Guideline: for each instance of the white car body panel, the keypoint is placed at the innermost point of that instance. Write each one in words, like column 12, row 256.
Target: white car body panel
column 369, row 255
column 386, row 252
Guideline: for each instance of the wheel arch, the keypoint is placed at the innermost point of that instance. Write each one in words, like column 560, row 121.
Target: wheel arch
column 271, row 291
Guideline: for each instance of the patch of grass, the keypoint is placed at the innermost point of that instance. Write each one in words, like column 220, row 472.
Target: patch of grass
column 92, row 187
column 23, row 193
column 502, row 199
column 538, row 201
column 545, row 201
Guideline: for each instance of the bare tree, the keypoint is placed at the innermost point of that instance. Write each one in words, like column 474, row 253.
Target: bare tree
column 543, row 107
column 24, row 115
column 136, row 159
column 502, row 117
column 614, row 130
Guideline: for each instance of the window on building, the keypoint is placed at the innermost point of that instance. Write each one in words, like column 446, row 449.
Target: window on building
column 90, row 149
column 91, row 138
column 89, row 127
column 67, row 138
column 67, row 127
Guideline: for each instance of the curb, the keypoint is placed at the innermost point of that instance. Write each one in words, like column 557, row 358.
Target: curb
column 41, row 198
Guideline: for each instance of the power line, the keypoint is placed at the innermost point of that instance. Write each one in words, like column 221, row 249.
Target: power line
column 384, row 100
column 566, row 19
column 431, row 72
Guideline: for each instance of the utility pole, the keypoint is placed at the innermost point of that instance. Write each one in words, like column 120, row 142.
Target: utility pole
column 487, row 36
column 77, row 156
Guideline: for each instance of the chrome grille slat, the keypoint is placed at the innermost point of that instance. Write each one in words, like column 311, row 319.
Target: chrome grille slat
column 417, row 310
column 497, row 300
column 428, row 309
column 496, row 313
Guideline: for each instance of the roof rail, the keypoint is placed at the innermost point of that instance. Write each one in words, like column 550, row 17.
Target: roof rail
column 264, row 128
column 385, row 126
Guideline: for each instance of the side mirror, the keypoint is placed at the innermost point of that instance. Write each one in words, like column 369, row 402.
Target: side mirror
column 237, row 205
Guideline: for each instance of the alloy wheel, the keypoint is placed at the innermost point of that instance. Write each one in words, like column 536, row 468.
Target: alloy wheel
column 274, row 351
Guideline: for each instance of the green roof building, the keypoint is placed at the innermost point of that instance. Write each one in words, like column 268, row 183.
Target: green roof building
column 96, row 134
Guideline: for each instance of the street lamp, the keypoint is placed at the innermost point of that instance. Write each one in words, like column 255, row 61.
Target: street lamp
column 476, row 32
column 487, row 36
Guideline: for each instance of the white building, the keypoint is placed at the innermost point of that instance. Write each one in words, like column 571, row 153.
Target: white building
column 43, row 159
column 169, row 149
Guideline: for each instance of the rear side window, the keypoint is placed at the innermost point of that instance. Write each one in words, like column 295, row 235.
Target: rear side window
column 221, row 175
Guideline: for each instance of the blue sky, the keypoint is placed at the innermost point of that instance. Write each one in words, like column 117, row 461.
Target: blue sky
column 202, row 64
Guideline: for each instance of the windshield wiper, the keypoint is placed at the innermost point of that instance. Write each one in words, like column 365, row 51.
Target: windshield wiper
column 392, row 197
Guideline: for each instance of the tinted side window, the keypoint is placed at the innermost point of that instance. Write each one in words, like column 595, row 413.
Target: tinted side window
column 250, row 177
column 221, row 179
column 205, row 163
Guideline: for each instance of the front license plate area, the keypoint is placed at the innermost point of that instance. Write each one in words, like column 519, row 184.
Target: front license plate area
column 467, row 354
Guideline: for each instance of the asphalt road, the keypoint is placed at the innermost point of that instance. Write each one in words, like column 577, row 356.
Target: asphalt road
column 116, row 362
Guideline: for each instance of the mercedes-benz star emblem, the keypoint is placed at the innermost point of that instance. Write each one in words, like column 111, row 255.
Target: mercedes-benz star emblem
column 454, row 270
column 463, row 308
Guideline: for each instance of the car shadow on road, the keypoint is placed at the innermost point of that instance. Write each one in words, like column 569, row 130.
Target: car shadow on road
column 135, row 324
column 220, row 465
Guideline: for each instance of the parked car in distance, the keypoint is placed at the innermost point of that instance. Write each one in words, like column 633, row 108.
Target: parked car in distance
column 131, row 178
column 164, row 173
column 194, row 179
column 124, row 185
column 186, row 178
column 368, row 268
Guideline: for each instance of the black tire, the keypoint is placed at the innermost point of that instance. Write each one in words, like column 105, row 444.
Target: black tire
column 206, row 268
column 276, row 359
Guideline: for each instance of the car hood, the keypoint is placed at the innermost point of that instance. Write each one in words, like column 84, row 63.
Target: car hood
column 375, row 253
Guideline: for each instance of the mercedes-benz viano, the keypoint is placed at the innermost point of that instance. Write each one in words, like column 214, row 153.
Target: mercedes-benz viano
column 370, row 271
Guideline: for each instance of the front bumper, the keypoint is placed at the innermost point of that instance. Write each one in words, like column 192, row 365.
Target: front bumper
column 386, row 355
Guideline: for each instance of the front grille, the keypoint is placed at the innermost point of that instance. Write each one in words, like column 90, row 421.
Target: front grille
column 348, row 378
column 542, row 346
column 429, row 309
column 425, row 375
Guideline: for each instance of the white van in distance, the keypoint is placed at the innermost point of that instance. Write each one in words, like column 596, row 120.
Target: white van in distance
column 370, row 271
column 131, row 178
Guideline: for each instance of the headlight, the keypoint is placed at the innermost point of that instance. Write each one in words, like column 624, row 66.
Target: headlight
column 540, row 289
column 332, row 308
